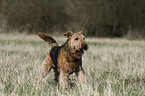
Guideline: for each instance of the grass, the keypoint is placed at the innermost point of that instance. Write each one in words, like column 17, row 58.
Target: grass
column 113, row 67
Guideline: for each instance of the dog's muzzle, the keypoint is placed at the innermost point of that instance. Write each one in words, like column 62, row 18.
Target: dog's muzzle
column 81, row 50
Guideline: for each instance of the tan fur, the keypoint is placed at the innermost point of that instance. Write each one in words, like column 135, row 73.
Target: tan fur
column 69, row 58
column 48, row 39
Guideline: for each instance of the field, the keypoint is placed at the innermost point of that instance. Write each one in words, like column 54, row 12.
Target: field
column 113, row 67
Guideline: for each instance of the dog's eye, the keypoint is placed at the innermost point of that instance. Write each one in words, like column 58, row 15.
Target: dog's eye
column 76, row 39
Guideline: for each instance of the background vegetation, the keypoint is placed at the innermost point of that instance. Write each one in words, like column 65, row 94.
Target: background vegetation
column 102, row 18
column 115, row 68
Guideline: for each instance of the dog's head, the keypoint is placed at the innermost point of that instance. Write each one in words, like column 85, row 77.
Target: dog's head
column 77, row 43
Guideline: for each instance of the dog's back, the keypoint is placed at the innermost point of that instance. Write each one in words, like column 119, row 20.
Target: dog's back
column 54, row 54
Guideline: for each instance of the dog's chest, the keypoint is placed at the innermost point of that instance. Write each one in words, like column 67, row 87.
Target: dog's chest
column 74, row 67
column 71, row 67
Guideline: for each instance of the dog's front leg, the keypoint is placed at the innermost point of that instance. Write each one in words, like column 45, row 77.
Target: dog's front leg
column 64, row 79
column 80, row 74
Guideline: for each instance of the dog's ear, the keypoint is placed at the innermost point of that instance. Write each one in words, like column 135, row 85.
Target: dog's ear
column 81, row 32
column 68, row 34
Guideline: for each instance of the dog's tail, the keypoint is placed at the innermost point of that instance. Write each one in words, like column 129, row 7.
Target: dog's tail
column 48, row 39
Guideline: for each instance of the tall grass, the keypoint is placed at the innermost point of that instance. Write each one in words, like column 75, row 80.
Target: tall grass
column 112, row 67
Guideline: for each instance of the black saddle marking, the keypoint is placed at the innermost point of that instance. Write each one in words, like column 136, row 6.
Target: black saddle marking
column 54, row 54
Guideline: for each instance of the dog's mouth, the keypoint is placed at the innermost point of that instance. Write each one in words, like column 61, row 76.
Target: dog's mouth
column 80, row 51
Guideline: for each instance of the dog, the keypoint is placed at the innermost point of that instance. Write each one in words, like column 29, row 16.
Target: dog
column 65, row 59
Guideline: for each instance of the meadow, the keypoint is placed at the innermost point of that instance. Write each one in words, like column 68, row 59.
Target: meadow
column 113, row 67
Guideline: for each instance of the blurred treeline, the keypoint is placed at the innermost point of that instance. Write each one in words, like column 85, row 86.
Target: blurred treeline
column 102, row 18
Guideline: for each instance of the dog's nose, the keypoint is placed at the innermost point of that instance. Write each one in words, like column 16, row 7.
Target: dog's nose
column 84, row 46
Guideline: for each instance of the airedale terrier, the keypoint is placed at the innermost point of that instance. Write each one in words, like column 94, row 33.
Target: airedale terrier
column 65, row 59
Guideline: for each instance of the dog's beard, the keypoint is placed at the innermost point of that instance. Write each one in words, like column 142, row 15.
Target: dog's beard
column 77, row 53
column 80, row 51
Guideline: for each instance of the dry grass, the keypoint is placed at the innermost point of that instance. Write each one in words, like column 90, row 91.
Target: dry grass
column 112, row 66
